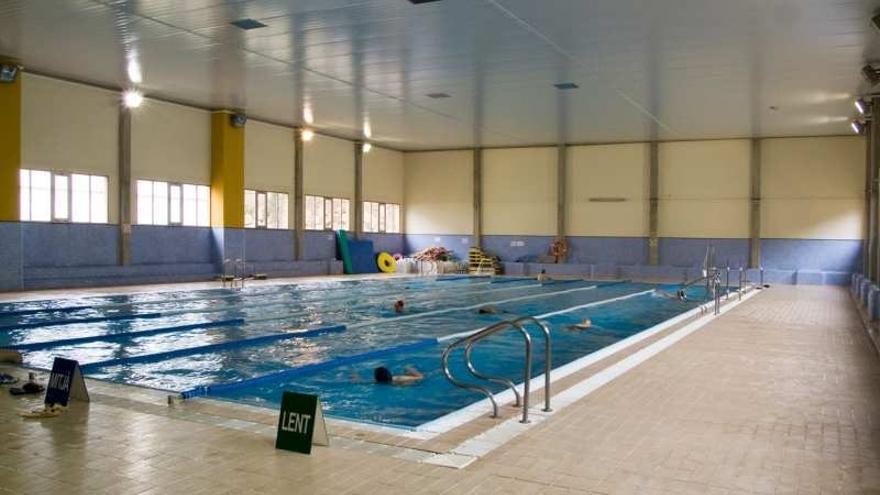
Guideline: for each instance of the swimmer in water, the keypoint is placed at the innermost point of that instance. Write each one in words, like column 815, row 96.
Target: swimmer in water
column 383, row 376
column 489, row 310
column 399, row 306
column 584, row 325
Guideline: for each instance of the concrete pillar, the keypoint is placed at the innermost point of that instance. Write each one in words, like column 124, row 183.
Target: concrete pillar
column 478, row 197
column 11, row 250
column 561, row 164
column 299, row 213
column 755, row 207
column 358, row 189
column 124, row 164
column 653, row 206
column 10, row 149
column 870, row 231
column 227, row 188
column 873, row 130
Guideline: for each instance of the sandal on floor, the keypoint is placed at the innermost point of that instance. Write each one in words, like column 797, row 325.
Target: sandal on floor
column 28, row 388
column 7, row 379
column 49, row 411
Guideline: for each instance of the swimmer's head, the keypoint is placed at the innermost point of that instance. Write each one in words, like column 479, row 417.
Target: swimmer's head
column 398, row 305
column 383, row 375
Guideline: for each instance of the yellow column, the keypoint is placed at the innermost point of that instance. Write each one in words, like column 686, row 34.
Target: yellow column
column 227, row 172
column 10, row 149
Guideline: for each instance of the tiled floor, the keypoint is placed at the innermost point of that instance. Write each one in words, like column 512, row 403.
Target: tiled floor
column 780, row 395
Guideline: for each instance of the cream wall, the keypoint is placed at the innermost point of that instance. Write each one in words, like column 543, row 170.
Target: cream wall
column 704, row 189
column 519, row 191
column 328, row 168
column 813, row 188
column 170, row 142
column 69, row 127
column 383, row 176
column 439, row 192
column 607, row 171
column 268, row 160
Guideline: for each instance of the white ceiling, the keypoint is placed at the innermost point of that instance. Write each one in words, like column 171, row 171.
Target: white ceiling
column 664, row 69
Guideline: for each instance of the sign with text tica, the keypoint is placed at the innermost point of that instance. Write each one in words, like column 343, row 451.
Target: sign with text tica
column 65, row 383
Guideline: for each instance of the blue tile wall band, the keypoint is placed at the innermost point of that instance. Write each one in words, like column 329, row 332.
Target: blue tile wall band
column 233, row 344
column 449, row 279
column 126, row 335
column 23, row 312
column 72, row 321
column 308, row 369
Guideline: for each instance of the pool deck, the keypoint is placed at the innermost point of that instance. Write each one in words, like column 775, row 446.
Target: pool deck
column 779, row 395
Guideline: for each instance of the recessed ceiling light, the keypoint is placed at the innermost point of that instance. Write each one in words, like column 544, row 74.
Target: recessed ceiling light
column 857, row 126
column 367, row 147
column 308, row 134
column 248, row 24
column 132, row 98
column 566, row 85
column 438, row 95
column 134, row 72
column 308, row 114
column 862, row 106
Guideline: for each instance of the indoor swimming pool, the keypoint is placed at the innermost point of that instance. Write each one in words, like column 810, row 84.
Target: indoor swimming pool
column 326, row 338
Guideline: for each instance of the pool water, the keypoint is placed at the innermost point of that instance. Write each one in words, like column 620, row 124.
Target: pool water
column 325, row 338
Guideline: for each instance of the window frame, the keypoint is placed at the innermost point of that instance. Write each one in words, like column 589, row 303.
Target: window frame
column 328, row 209
column 378, row 216
column 68, row 175
column 181, row 203
column 264, row 194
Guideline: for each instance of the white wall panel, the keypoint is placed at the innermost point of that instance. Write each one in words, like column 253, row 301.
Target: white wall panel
column 439, row 192
column 171, row 143
column 328, row 167
column 519, row 191
column 383, row 175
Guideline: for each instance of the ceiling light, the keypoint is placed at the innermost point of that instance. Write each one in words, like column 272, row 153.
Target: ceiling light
column 566, row 85
column 132, row 98
column 8, row 72
column 857, row 127
column 134, row 72
column 862, row 106
column 248, row 24
column 871, row 74
column 368, row 131
column 308, row 115
column 437, row 95
column 367, row 147
column 308, row 134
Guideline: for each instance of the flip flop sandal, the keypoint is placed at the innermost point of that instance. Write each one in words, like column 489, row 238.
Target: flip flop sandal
column 27, row 389
column 50, row 411
column 7, row 379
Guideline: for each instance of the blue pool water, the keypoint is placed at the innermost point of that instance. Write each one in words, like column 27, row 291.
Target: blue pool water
column 250, row 345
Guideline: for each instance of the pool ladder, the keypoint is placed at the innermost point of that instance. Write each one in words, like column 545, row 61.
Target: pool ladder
column 468, row 343
column 237, row 274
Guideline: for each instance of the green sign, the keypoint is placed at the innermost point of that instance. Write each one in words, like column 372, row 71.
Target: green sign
column 301, row 423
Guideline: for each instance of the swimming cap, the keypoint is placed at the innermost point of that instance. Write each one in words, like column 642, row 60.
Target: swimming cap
column 382, row 375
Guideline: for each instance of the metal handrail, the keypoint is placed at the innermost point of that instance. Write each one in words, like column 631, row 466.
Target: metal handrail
column 548, row 355
column 468, row 343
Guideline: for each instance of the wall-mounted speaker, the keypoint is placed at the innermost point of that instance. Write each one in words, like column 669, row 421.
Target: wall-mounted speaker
column 8, row 73
column 238, row 119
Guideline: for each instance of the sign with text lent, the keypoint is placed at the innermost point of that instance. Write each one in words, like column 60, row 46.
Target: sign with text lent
column 301, row 423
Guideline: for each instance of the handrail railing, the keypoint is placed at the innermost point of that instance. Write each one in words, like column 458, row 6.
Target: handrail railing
column 468, row 343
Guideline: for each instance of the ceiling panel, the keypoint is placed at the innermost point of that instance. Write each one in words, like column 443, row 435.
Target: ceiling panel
column 668, row 69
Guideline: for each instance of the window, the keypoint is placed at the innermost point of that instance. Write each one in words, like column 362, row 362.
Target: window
column 265, row 210
column 381, row 217
column 327, row 213
column 164, row 203
column 61, row 197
